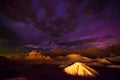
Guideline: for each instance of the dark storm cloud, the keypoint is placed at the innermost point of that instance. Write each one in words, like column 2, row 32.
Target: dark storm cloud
column 53, row 17
column 61, row 19
column 9, row 34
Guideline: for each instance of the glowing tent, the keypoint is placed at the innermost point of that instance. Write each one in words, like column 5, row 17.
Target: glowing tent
column 80, row 69
column 104, row 61
column 34, row 55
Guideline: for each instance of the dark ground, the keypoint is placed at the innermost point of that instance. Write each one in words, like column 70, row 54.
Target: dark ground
column 52, row 72
column 10, row 70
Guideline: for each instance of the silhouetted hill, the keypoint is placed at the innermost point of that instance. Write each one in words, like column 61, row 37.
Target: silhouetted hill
column 6, row 62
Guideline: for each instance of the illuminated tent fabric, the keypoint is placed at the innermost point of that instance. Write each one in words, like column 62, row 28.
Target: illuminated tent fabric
column 35, row 55
column 78, row 57
column 80, row 69
column 104, row 61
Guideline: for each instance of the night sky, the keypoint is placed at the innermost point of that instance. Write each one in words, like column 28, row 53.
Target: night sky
column 92, row 22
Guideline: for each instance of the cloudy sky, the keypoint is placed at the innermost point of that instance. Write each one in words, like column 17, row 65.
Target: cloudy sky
column 94, row 22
